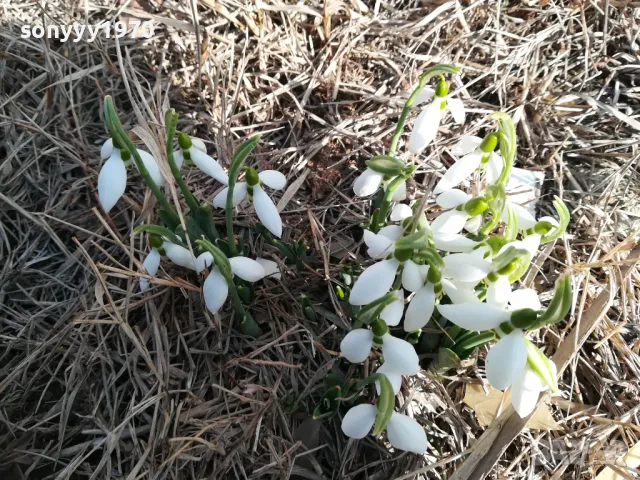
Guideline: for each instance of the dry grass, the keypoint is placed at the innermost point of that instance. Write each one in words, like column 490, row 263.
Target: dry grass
column 99, row 381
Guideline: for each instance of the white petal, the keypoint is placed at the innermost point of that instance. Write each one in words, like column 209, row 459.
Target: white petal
column 474, row 316
column 465, row 267
column 374, row 282
column 450, row 222
column 208, row 165
column 179, row 255
column 356, row 345
column 358, row 421
column 239, row 194
column 405, row 433
column 107, row 149
column 467, row 144
column 267, row 211
column 400, row 193
column 524, row 401
column 473, row 224
column 452, row 198
column 198, row 144
column 482, row 252
column 112, row 181
column 392, row 313
column 506, row 360
column 271, row 268
column 203, row 261
column 420, row 309
column 151, row 264
column 399, row 355
column 531, row 243
column 456, row 107
column 499, row 292
column 412, row 277
column 379, row 245
column 494, row 168
column 152, row 167
column 392, row 232
column 247, row 269
column 273, row 179
column 367, row 183
column 178, row 157
column 394, row 378
column 424, row 95
column 459, row 292
column 525, row 219
column 215, row 291
column 459, row 172
column 400, row 212
column 525, row 298
column 453, row 242
column 425, row 127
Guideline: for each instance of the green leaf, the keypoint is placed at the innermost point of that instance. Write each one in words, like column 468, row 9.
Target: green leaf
column 445, row 361
column 329, row 404
column 385, row 405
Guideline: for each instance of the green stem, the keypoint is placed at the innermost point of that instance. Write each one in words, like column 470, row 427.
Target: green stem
column 118, row 133
column 171, row 122
column 387, row 200
column 424, row 78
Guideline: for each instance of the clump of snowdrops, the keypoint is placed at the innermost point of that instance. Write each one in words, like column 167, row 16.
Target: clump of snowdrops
column 457, row 274
column 192, row 240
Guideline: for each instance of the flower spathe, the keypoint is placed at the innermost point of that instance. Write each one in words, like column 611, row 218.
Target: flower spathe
column 264, row 206
column 403, row 432
column 215, row 288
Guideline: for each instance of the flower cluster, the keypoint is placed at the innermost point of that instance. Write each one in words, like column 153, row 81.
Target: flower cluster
column 193, row 242
column 454, row 272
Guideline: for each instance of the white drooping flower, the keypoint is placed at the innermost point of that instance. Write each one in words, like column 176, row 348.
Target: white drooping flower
column 179, row 255
column 112, row 179
column 196, row 143
column 472, row 154
column 420, row 308
column 374, row 282
column 447, row 227
column 506, row 362
column 392, row 313
column 203, row 261
column 399, row 355
column 264, row 206
column 425, row 128
column 370, row 181
column 382, row 244
column 151, row 264
column 403, row 432
column 215, row 288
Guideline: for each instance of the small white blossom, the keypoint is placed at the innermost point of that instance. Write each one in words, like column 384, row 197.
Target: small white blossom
column 399, row 355
column 151, row 264
column 215, row 288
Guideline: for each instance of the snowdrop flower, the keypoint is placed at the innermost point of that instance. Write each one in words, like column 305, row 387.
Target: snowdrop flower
column 196, row 143
column 399, row 355
column 426, row 125
column 464, row 167
column 179, row 255
column 112, row 179
column 466, row 213
column 374, row 282
column 382, row 244
column 151, row 264
column 264, row 206
column 420, row 308
column 404, row 432
column 392, row 313
column 215, row 288
column 370, row 181
column 203, row 261
column 199, row 158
